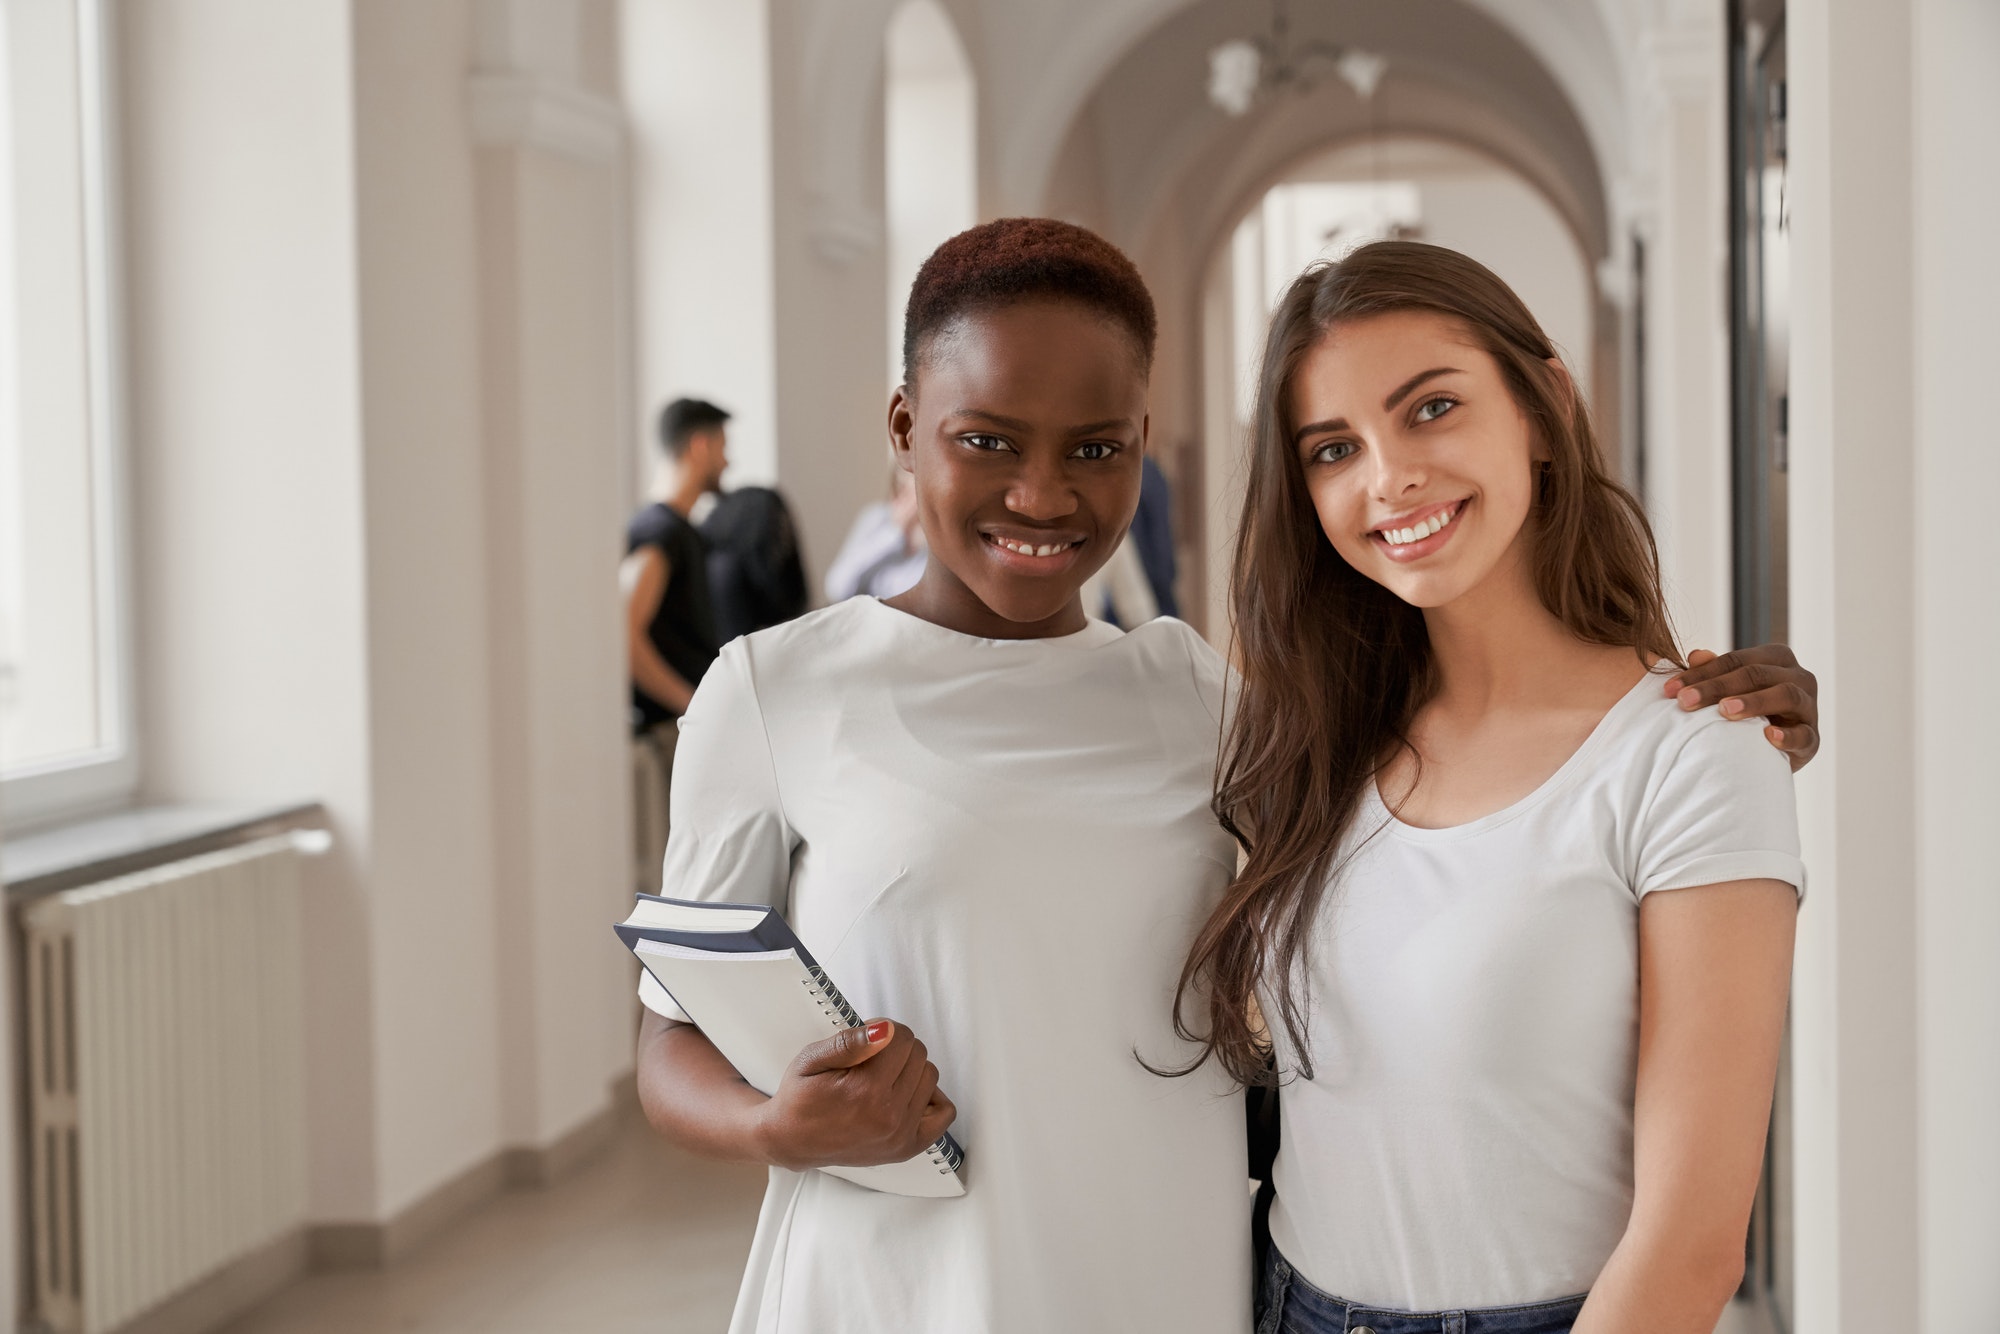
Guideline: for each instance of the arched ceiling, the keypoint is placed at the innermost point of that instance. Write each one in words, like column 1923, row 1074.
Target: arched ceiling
column 1042, row 61
column 1147, row 140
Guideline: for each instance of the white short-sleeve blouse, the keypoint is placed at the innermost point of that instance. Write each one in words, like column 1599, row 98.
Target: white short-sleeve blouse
column 1006, row 845
column 1466, row 1138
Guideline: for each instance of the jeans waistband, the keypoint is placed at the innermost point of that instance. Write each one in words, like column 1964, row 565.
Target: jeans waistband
column 1291, row 1304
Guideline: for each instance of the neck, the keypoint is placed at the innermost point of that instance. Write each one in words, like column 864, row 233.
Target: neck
column 1498, row 644
column 942, row 598
column 677, row 488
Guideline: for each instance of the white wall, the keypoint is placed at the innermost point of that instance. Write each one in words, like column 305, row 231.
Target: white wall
column 1957, row 178
column 1896, row 1003
column 245, row 421
column 932, row 167
column 696, row 83
column 377, row 413
column 1687, row 310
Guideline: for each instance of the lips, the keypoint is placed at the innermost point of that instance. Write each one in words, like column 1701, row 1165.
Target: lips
column 1021, row 547
column 1033, row 553
column 1420, row 532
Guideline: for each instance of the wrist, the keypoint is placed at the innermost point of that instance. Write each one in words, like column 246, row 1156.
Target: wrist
column 766, row 1137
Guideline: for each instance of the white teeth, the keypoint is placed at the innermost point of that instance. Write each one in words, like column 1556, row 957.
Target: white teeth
column 1402, row 537
column 1026, row 549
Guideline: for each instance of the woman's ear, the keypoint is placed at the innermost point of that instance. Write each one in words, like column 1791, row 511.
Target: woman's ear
column 902, row 425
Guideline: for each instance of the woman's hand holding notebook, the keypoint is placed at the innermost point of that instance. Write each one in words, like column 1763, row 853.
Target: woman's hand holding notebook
column 756, row 993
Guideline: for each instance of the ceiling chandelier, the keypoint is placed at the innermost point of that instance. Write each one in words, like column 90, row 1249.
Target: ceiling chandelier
column 1251, row 69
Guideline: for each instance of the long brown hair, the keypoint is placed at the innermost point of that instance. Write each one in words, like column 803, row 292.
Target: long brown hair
column 1334, row 666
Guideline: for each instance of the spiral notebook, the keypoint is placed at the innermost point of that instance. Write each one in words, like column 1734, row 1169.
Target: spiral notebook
column 758, row 995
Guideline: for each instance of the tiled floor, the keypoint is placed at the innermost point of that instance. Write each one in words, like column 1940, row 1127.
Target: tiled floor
column 643, row 1238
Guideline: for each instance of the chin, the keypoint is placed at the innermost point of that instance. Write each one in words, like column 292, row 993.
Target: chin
column 1026, row 606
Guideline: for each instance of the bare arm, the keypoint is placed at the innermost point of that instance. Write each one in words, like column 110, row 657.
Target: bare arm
column 644, row 576
column 862, row 1097
column 1714, row 970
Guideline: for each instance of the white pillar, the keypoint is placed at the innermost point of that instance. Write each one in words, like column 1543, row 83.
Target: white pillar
column 831, row 264
column 1957, row 178
column 696, row 81
column 1687, row 311
column 1897, row 1003
column 552, row 276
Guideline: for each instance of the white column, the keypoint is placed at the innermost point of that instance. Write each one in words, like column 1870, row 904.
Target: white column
column 1897, row 1036
column 697, row 89
column 831, row 264
column 1687, row 312
column 552, row 276
column 1956, row 168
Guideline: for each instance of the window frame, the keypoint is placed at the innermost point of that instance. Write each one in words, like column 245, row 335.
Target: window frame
column 107, row 775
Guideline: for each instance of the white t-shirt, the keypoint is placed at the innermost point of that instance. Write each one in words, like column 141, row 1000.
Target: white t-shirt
column 1466, row 1140
column 1007, row 845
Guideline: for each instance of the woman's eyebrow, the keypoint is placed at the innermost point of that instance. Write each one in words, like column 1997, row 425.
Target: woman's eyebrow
column 1402, row 391
column 994, row 419
column 1018, row 426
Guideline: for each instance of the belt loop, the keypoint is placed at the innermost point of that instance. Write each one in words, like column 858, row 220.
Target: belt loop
column 1454, row 1322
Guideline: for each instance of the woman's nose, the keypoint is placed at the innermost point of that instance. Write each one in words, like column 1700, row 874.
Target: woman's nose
column 1041, row 491
column 1398, row 470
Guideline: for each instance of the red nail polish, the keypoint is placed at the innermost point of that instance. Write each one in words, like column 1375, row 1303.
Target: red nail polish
column 878, row 1031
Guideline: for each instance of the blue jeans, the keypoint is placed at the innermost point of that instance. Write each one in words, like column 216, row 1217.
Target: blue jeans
column 1287, row 1304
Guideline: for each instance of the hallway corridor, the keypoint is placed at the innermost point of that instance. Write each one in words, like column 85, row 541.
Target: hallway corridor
column 642, row 1238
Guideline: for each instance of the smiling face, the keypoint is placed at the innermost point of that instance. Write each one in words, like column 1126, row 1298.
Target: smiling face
column 1419, row 461
column 1025, row 437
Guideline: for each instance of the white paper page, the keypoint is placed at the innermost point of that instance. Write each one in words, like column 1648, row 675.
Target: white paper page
column 674, row 917
column 758, row 1009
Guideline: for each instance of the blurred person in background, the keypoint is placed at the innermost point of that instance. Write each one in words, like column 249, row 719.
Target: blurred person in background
column 669, row 612
column 756, row 576
column 1152, row 536
column 884, row 552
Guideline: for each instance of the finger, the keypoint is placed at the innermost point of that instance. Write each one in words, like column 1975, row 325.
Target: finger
column 847, row 1048
column 1742, row 681
column 903, row 1091
column 1785, row 703
column 924, row 1089
column 937, row 1118
column 1696, row 658
column 1799, row 742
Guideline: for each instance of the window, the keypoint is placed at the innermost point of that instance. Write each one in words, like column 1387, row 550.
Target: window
column 65, row 696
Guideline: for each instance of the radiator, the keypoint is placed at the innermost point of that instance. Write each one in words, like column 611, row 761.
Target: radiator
column 166, row 1095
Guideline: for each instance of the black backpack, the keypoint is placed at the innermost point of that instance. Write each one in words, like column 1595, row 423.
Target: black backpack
column 755, row 574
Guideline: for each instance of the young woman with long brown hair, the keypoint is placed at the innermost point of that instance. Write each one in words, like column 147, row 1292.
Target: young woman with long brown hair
column 1518, row 1069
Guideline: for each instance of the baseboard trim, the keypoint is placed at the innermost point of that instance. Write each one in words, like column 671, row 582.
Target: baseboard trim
column 213, row 1301
column 541, row 1167
column 376, row 1245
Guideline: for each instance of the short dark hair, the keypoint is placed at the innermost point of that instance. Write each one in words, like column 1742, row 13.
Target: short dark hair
column 1019, row 259
column 683, row 418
